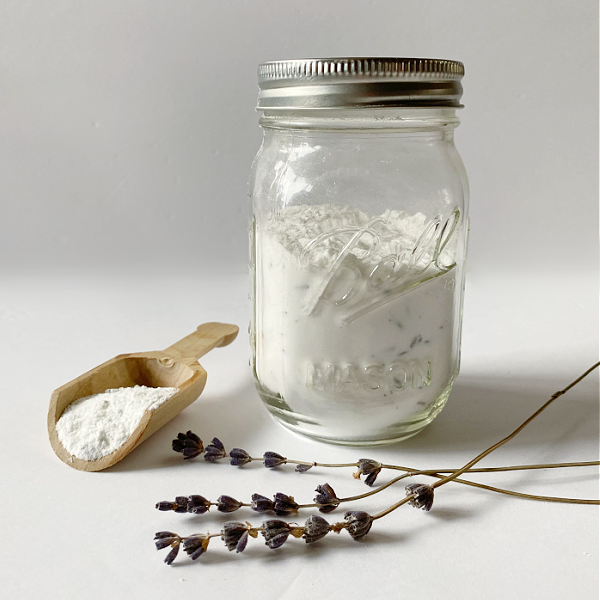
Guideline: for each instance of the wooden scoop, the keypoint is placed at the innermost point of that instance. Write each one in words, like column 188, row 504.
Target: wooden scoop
column 176, row 366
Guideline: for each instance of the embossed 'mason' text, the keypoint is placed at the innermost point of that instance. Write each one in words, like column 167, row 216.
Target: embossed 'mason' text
column 377, row 378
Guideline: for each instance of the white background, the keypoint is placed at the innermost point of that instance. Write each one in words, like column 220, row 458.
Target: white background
column 127, row 129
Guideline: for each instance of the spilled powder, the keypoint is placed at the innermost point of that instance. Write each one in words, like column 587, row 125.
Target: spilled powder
column 97, row 425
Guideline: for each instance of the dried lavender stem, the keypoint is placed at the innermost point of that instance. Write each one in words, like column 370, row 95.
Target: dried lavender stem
column 439, row 474
column 317, row 464
column 523, row 495
column 515, row 432
column 590, row 463
column 308, row 464
column 432, row 473
column 497, row 445
column 389, row 509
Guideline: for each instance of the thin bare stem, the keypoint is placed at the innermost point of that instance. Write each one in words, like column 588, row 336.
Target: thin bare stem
column 590, row 463
column 515, row 432
column 454, row 476
column 523, row 495
column 412, row 473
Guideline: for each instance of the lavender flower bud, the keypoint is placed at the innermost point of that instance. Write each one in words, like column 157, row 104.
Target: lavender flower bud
column 214, row 451
column 303, row 468
column 326, row 498
column 180, row 504
column 284, row 505
column 195, row 545
column 239, row 457
column 172, row 555
column 261, row 504
column 358, row 523
column 166, row 505
column 423, row 495
column 272, row 460
column 370, row 468
column 189, row 444
column 227, row 504
column 167, row 538
column 235, row 536
column 162, row 539
column 275, row 533
column 197, row 505
column 183, row 504
column 315, row 528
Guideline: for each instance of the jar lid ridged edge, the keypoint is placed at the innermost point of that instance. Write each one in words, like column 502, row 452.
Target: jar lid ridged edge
column 357, row 67
column 359, row 82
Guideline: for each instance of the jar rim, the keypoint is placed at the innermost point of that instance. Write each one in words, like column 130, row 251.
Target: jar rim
column 322, row 83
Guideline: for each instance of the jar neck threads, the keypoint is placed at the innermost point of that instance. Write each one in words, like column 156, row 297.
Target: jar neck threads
column 396, row 119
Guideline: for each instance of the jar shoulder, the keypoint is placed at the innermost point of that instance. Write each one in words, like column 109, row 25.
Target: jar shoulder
column 377, row 172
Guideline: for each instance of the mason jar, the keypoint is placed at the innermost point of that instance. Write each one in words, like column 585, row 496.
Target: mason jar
column 358, row 239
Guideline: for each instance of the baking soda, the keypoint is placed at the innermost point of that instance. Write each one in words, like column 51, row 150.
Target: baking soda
column 97, row 425
column 358, row 318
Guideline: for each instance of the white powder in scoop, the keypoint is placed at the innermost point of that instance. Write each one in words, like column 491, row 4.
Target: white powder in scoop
column 97, row 425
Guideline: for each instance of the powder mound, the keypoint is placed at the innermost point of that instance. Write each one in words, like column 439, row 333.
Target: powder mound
column 97, row 425
column 324, row 230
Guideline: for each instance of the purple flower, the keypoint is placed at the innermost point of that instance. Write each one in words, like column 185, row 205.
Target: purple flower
column 235, row 536
column 370, row 468
column 261, row 504
column 275, row 533
column 197, row 505
column 179, row 506
column 195, row 545
column 422, row 495
column 315, row 528
column 303, row 468
column 239, row 457
column 186, row 504
column 358, row 523
column 163, row 539
column 166, row 505
column 326, row 498
column 189, row 444
column 214, row 451
column 227, row 504
column 272, row 460
column 284, row 505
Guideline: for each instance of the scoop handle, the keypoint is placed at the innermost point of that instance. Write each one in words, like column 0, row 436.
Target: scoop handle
column 208, row 336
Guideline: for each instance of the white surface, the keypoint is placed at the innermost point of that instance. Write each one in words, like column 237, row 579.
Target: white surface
column 68, row 534
column 122, row 145
column 128, row 128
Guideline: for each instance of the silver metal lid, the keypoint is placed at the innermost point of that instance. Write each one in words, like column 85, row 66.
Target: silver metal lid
column 359, row 82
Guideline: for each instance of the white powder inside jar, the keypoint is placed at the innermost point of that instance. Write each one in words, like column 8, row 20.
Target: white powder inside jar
column 97, row 425
column 356, row 325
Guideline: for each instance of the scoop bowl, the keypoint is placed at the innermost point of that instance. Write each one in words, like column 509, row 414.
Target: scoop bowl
column 175, row 366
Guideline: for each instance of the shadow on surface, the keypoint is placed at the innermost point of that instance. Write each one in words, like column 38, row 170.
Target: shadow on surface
column 237, row 418
column 481, row 411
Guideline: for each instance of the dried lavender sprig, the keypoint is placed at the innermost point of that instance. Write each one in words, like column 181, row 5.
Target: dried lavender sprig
column 411, row 497
column 327, row 501
column 515, row 432
column 430, row 473
column 191, row 446
column 282, row 504
column 235, row 535
column 358, row 523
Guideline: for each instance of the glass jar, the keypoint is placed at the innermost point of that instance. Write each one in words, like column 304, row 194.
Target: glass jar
column 358, row 241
